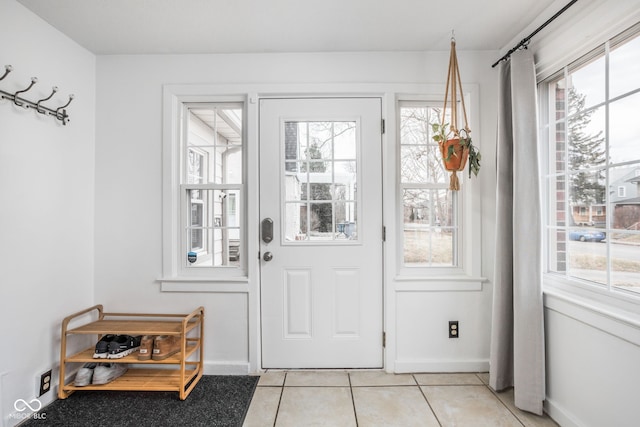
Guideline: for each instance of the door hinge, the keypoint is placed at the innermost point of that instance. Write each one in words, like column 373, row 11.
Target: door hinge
column 384, row 233
column 383, row 127
column 384, row 340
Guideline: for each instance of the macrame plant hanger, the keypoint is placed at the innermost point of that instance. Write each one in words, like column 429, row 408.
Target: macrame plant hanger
column 454, row 154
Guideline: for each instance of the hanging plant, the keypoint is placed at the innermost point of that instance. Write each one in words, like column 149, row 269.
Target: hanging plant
column 455, row 144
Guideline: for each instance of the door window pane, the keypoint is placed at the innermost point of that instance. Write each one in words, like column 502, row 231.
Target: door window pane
column 295, row 226
column 321, row 173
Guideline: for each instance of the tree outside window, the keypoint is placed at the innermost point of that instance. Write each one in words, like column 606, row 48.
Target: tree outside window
column 594, row 158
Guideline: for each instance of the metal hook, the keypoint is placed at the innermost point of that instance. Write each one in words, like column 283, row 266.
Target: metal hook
column 34, row 80
column 63, row 117
column 7, row 70
column 53, row 91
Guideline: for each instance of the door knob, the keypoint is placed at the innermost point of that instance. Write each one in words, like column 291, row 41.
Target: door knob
column 268, row 256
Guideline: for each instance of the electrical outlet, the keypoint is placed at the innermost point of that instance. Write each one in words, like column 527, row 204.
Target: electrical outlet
column 454, row 330
column 45, row 383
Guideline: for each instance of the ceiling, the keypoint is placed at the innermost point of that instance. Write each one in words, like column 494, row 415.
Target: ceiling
column 250, row 26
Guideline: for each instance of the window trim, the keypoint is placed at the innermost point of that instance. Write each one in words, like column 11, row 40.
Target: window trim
column 622, row 191
column 174, row 208
column 467, row 275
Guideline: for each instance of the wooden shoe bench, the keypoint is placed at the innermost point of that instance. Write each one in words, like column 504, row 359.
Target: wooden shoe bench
column 147, row 375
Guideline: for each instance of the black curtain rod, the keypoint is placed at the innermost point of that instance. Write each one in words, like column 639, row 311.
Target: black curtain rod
column 525, row 40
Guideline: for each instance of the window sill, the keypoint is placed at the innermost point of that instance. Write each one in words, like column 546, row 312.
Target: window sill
column 614, row 316
column 438, row 283
column 197, row 284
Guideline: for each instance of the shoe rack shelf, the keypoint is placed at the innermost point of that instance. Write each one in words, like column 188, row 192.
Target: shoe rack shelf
column 188, row 363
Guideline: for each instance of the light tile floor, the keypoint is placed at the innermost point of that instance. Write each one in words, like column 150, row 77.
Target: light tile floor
column 375, row 398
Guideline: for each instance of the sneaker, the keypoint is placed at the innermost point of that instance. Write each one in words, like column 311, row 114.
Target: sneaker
column 84, row 375
column 165, row 346
column 104, row 373
column 146, row 347
column 123, row 345
column 102, row 347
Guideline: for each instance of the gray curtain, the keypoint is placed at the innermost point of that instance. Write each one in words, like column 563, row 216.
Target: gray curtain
column 517, row 337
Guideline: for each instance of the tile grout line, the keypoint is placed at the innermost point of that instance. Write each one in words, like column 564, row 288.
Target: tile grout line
column 353, row 400
column 495, row 394
column 275, row 419
column 426, row 400
column 416, row 383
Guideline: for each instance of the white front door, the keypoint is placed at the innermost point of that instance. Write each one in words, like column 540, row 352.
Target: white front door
column 321, row 233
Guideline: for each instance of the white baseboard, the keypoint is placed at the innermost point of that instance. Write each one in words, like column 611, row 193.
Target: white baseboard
column 226, row 368
column 560, row 415
column 435, row 366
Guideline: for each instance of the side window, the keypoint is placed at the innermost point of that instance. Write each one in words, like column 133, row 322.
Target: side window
column 212, row 190
column 593, row 190
column 430, row 222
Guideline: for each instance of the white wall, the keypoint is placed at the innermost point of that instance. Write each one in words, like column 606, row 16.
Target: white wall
column 47, row 217
column 593, row 377
column 46, row 199
column 129, row 194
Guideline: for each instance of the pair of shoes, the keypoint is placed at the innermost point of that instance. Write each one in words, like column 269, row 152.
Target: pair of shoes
column 158, row 347
column 116, row 346
column 146, row 347
column 102, row 347
column 106, row 372
column 123, row 345
column 84, row 375
column 99, row 373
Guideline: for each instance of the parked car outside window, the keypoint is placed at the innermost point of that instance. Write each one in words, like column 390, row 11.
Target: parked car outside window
column 587, row 235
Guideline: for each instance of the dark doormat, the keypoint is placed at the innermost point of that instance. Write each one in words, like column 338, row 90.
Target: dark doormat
column 215, row 401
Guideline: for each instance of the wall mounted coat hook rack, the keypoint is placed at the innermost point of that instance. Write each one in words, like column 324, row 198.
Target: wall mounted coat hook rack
column 59, row 113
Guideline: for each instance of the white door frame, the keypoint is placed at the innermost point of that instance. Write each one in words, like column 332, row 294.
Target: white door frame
column 366, row 345
column 387, row 93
